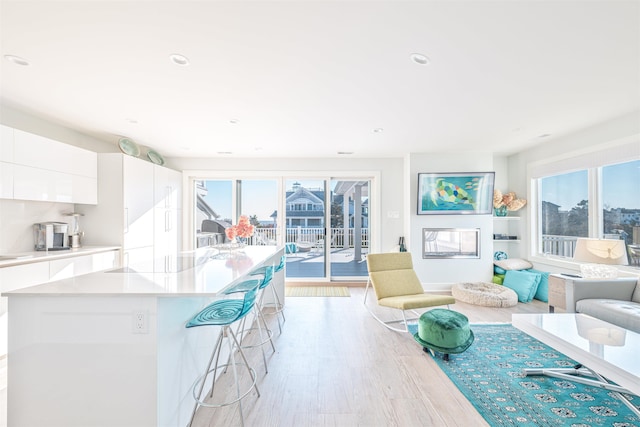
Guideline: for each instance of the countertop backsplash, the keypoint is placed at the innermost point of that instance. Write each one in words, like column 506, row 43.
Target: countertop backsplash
column 17, row 218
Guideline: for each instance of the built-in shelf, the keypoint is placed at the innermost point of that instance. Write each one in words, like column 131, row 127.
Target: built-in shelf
column 499, row 229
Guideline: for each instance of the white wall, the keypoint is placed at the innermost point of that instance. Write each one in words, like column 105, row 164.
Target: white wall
column 602, row 136
column 436, row 274
column 390, row 172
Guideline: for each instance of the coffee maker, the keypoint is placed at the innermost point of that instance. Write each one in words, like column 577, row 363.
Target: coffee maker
column 51, row 236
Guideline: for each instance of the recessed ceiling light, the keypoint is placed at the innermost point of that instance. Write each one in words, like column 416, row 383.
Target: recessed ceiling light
column 234, row 121
column 132, row 121
column 420, row 59
column 178, row 59
column 378, row 130
column 17, row 60
column 225, row 152
column 544, row 135
column 344, row 153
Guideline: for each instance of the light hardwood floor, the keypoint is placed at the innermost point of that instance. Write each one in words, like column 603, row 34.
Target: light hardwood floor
column 335, row 365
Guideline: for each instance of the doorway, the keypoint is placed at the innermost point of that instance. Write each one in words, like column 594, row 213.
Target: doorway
column 325, row 227
column 344, row 205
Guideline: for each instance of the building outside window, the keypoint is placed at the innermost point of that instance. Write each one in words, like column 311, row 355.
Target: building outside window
column 564, row 211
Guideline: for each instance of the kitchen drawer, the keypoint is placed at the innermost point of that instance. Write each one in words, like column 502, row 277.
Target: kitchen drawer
column 76, row 266
column 23, row 276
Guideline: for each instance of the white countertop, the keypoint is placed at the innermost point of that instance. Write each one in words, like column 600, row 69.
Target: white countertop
column 198, row 273
column 39, row 256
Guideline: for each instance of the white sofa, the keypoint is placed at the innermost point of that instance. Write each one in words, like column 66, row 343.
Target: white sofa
column 616, row 301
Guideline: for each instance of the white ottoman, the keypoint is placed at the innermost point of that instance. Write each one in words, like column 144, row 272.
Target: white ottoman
column 485, row 294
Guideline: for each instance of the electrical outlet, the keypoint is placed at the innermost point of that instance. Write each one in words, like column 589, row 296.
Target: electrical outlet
column 140, row 322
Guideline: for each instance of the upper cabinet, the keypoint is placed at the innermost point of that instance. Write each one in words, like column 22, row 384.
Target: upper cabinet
column 6, row 162
column 38, row 168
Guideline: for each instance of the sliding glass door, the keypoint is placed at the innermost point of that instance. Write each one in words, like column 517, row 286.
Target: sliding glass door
column 304, row 222
column 323, row 223
column 349, row 238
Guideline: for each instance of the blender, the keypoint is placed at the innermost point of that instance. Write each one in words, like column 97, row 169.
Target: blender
column 75, row 234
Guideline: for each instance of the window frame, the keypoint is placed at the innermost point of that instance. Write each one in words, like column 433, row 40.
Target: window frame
column 595, row 161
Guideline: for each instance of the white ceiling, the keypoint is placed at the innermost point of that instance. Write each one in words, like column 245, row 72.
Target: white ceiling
column 313, row 78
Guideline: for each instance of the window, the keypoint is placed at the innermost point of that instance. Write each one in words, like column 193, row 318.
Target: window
column 621, row 206
column 600, row 201
column 564, row 211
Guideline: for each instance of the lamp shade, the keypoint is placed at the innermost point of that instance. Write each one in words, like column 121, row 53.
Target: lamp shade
column 601, row 251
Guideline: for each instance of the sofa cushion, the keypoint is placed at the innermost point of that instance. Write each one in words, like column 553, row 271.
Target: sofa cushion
column 636, row 293
column 625, row 314
column 523, row 283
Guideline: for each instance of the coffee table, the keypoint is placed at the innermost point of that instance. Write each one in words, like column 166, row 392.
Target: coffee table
column 607, row 354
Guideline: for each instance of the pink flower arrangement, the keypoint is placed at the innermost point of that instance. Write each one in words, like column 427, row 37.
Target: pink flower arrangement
column 243, row 229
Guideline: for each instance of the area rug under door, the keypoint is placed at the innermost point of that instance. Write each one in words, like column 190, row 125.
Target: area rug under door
column 490, row 376
column 316, row 291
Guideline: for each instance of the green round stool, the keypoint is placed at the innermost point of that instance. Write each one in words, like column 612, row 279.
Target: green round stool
column 445, row 331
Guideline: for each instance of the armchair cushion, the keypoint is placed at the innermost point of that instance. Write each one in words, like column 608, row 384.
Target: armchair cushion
column 395, row 283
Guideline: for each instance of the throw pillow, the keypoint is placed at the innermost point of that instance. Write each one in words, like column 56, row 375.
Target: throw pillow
column 513, row 264
column 524, row 283
column 498, row 279
column 542, row 294
column 498, row 270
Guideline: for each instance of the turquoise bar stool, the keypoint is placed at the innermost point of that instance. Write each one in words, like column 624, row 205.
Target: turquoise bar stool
column 278, row 307
column 224, row 313
column 265, row 334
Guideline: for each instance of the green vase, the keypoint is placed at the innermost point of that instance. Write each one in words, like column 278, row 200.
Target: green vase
column 501, row 211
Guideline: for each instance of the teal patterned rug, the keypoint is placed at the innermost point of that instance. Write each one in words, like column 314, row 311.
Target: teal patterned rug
column 489, row 374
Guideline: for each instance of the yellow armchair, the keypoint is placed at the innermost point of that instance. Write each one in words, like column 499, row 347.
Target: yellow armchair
column 396, row 285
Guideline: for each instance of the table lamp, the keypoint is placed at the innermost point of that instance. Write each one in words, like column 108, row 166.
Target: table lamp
column 597, row 256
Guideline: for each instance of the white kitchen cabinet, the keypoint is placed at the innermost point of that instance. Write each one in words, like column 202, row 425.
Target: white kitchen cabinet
column 85, row 264
column 167, row 216
column 138, row 191
column 38, row 168
column 44, row 153
column 31, row 183
column 126, row 214
column 23, row 276
column 6, row 144
column 6, row 180
column 6, row 162
column 168, row 185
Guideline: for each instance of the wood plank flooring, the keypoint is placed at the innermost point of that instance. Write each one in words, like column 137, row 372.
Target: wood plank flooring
column 335, row 365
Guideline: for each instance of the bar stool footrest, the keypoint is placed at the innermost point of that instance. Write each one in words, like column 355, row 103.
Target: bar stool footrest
column 268, row 338
column 254, row 377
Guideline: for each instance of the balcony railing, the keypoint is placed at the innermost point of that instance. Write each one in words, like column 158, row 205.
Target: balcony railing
column 312, row 235
column 563, row 246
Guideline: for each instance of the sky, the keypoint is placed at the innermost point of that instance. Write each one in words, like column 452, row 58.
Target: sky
column 620, row 185
column 260, row 196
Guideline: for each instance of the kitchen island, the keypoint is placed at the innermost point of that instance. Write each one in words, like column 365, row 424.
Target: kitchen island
column 111, row 349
